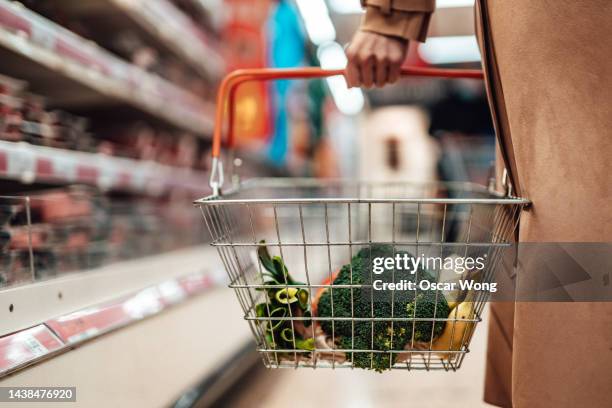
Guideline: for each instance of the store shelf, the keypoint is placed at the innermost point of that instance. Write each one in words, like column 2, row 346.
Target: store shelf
column 58, row 334
column 106, row 299
column 96, row 320
column 160, row 22
column 196, row 267
column 74, row 72
column 207, row 6
column 149, row 364
column 29, row 163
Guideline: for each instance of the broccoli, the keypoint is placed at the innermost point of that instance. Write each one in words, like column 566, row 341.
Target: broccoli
column 425, row 305
column 363, row 303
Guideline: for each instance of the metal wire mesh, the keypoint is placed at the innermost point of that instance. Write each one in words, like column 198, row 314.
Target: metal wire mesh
column 320, row 231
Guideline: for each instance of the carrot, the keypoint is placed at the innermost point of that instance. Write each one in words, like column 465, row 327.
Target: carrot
column 327, row 281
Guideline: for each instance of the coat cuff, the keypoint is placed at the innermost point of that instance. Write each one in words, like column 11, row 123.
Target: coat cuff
column 387, row 6
column 410, row 25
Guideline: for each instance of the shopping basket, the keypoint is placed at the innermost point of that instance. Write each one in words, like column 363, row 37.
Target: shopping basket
column 317, row 265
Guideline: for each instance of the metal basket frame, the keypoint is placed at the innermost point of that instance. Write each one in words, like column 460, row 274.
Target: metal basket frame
column 232, row 218
column 232, row 223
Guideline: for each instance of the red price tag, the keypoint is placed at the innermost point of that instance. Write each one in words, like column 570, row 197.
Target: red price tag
column 86, row 323
column 27, row 345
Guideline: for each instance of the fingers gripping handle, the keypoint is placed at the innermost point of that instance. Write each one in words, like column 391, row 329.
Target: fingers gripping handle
column 227, row 96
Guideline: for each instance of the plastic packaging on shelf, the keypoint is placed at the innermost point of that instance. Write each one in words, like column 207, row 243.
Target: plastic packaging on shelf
column 165, row 159
column 83, row 66
column 25, row 117
column 182, row 53
column 11, row 105
column 57, row 231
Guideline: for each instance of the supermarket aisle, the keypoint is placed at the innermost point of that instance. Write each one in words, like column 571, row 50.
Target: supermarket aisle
column 361, row 389
column 106, row 125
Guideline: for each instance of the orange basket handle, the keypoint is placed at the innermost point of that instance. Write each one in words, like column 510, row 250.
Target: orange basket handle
column 230, row 84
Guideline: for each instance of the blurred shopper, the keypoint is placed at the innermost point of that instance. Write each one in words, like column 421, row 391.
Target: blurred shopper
column 549, row 71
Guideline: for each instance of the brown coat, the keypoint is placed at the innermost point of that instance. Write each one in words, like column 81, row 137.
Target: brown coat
column 549, row 77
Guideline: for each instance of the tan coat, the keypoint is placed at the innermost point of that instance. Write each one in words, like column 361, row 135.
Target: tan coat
column 549, row 78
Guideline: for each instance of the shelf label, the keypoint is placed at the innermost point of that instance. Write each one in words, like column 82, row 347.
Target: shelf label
column 144, row 303
column 84, row 324
column 195, row 284
column 171, row 292
column 44, row 167
column 3, row 162
column 87, row 174
column 27, row 345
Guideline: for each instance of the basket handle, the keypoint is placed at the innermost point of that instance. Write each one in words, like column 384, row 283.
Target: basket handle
column 231, row 82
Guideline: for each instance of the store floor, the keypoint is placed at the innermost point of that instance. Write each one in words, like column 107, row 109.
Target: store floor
column 362, row 389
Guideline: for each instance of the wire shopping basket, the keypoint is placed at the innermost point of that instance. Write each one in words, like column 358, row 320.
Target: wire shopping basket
column 356, row 274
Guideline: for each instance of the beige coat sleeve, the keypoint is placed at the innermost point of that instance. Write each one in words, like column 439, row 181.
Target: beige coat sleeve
column 407, row 19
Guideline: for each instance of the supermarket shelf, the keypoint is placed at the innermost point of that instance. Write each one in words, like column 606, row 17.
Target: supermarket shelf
column 37, row 302
column 61, row 333
column 147, row 288
column 72, row 71
column 207, row 6
column 29, row 163
column 211, row 9
column 150, row 363
column 178, row 34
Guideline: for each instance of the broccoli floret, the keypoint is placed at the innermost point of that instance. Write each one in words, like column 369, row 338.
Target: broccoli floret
column 425, row 305
column 363, row 303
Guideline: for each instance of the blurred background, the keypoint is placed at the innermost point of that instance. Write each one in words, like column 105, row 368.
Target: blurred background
column 106, row 116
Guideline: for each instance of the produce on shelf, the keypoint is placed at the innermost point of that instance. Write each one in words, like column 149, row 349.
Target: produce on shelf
column 284, row 304
column 380, row 336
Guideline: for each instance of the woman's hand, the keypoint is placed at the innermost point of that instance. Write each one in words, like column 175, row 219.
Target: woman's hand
column 374, row 59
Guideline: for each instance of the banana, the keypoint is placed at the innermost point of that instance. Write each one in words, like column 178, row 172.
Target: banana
column 456, row 332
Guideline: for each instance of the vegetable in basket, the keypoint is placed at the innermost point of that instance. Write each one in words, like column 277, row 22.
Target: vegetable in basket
column 283, row 304
column 457, row 331
column 382, row 335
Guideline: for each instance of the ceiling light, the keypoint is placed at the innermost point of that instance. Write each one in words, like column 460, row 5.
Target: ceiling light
column 316, row 18
column 346, row 6
column 454, row 3
column 349, row 101
column 449, row 50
